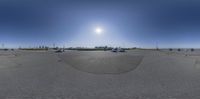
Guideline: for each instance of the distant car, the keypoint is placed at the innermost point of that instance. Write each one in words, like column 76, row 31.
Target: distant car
column 121, row 50
column 118, row 50
column 59, row 51
column 114, row 50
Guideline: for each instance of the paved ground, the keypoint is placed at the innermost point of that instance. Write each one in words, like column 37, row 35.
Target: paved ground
column 102, row 62
column 48, row 75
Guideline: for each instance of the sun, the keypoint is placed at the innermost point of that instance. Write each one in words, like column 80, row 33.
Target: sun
column 98, row 31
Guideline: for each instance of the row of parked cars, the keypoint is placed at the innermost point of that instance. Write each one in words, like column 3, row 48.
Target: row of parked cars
column 117, row 49
column 192, row 49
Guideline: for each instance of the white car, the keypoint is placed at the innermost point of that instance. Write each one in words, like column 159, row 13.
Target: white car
column 114, row 50
column 118, row 50
column 121, row 50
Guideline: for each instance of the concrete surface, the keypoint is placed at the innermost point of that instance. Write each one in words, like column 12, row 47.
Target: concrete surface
column 102, row 62
column 49, row 75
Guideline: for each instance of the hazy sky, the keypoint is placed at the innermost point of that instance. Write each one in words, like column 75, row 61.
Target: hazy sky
column 126, row 23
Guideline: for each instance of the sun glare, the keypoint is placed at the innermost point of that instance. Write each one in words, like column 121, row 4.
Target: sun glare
column 98, row 31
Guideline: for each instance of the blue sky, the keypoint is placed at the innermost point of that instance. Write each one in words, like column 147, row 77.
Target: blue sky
column 126, row 23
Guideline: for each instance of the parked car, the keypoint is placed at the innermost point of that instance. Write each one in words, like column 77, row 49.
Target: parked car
column 118, row 50
column 121, row 50
column 59, row 51
column 114, row 50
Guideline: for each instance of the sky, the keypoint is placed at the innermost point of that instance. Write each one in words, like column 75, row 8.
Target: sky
column 124, row 23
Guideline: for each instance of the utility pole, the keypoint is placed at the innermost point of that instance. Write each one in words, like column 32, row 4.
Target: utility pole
column 2, row 45
column 54, row 45
column 157, row 48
